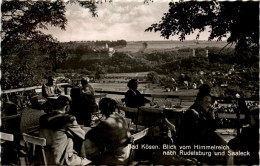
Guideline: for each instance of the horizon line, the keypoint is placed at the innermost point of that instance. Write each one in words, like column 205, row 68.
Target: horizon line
column 145, row 40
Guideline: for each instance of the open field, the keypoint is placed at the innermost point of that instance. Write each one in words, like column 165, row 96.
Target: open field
column 144, row 89
column 135, row 46
column 140, row 74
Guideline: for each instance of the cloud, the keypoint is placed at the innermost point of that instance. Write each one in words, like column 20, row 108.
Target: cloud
column 115, row 21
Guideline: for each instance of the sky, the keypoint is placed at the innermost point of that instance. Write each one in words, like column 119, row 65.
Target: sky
column 119, row 20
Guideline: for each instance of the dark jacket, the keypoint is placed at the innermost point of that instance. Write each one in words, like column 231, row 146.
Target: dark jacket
column 248, row 140
column 134, row 100
column 196, row 127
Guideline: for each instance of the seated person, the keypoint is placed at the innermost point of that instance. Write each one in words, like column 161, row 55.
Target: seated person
column 81, row 106
column 107, row 143
column 61, row 131
column 133, row 98
column 86, row 87
column 248, row 140
column 50, row 89
column 30, row 116
column 198, row 125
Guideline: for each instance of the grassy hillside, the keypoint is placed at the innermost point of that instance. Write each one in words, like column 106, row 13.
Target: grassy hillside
column 136, row 46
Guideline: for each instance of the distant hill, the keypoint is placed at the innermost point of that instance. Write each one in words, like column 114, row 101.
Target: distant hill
column 152, row 46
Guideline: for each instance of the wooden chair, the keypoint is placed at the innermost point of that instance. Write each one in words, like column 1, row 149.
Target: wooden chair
column 6, row 137
column 34, row 141
column 135, row 137
column 150, row 116
column 132, row 111
column 128, row 122
column 38, row 91
column 174, row 117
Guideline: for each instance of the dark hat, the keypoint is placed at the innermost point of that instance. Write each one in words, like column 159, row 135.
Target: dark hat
column 254, row 111
column 62, row 101
column 204, row 88
column 84, row 80
column 201, row 95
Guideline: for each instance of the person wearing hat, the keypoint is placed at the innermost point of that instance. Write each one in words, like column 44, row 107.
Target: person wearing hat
column 61, row 131
column 50, row 89
column 248, row 140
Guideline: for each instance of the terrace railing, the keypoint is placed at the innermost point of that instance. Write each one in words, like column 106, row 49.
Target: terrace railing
column 21, row 98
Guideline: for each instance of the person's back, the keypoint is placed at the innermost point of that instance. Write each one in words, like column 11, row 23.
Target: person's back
column 30, row 116
column 197, row 128
column 111, row 136
column 248, row 140
column 82, row 106
column 61, row 130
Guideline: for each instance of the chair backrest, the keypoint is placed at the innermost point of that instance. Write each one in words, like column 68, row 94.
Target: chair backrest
column 34, row 140
column 174, row 117
column 128, row 121
column 140, row 134
column 38, row 91
column 150, row 116
column 130, row 113
column 6, row 137
column 134, row 138
column 127, row 109
column 29, row 139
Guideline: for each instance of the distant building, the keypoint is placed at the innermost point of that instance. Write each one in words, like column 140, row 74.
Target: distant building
column 193, row 52
column 111, row 51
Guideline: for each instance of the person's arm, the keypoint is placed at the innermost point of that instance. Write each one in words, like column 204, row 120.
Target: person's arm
column 74, row 159
column 170, row 125
column 91, row 90
column 144, row 100
column 57, row 89
column 44, row 94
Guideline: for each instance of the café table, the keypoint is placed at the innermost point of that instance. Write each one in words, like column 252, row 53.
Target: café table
column 56, row 97
column 226, row 135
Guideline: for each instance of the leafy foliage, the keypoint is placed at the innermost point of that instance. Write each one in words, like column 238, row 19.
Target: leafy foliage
column 153, row 77
column 238, row 21
column 22, row 36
